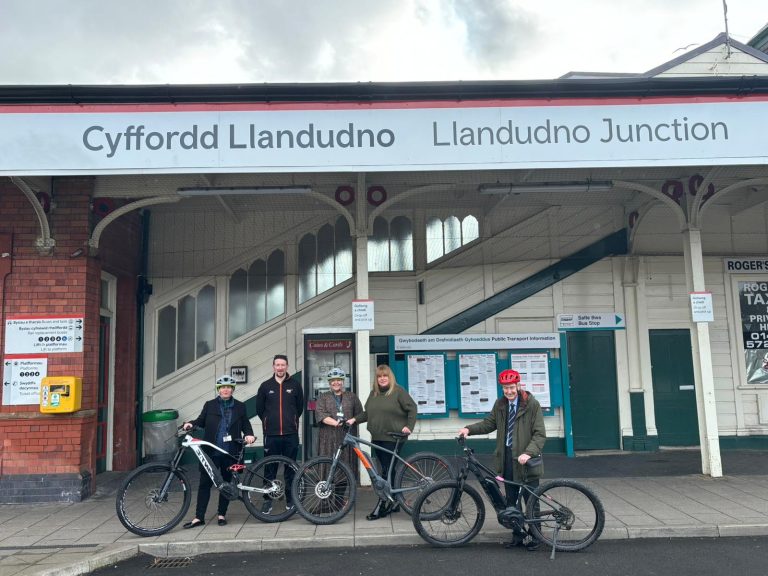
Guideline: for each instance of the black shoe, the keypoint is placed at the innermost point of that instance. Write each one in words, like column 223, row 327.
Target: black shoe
column 516, row 541
column 222, row 521
column 266, row 508
column 194, row 523
column 395, row 508
column 378, row 512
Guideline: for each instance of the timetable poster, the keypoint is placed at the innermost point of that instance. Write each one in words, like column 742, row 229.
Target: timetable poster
column 534, row 375
column 426, row 382
column 477, row 380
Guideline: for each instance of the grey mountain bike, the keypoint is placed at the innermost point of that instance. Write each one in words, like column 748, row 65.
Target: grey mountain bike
column 324, row 489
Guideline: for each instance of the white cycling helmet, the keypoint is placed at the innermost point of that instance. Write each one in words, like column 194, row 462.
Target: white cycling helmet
column 336, row 374
column 225, row 380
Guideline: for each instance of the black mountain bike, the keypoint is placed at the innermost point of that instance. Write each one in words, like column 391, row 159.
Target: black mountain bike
column 563, row 514
column 155, row 497
column 324, row 490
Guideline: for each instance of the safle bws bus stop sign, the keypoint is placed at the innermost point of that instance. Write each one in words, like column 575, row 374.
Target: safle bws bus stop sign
column 591, row 321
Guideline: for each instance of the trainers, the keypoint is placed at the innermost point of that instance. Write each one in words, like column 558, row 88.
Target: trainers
column 531, row 544
column 289, row 507
column 266, row 508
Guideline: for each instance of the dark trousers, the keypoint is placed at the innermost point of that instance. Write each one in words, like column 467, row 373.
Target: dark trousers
column 287, row 445
column 221, row 462
column 384, row 458
column 513, row 492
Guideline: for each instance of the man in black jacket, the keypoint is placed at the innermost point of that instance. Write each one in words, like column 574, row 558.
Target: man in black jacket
column 279, row 404
column 224, row 419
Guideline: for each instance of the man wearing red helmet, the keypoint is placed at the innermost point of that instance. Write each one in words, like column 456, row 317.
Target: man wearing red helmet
column 520, row 436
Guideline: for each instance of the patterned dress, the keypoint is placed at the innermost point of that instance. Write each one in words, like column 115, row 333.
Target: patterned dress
column 330, row 437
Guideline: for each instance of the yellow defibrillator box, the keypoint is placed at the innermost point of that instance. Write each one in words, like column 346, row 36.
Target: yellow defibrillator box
column 61, row 394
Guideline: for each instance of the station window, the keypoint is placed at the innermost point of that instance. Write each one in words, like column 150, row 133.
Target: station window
column 445, row 236
column 325, row 259
column 186, row 330
column 256, row 295
column 390, row 248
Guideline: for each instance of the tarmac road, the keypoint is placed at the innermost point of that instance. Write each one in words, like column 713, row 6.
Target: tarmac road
column 745, row 556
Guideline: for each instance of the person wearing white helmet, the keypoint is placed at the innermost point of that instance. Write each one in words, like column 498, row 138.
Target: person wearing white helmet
column 223, row 419
column 333, row 408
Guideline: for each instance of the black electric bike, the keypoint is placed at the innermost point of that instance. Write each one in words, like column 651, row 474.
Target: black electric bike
column 563, row 514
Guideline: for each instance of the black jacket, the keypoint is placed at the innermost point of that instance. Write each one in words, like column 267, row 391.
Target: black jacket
column 279, row 406
column 210, row 418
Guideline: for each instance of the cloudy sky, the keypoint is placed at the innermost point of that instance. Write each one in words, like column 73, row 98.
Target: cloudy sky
column 244, row 41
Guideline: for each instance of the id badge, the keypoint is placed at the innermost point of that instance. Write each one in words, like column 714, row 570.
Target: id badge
column 227, row 438
column 339, row 415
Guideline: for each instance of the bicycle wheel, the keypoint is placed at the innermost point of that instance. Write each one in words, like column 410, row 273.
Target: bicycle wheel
column 566, row 515
column 319, row 500
column 273, row 476
column 444, row 520
column 140, row 506
column 419, row 471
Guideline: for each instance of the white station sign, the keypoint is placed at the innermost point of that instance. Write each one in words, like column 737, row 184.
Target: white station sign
column 22, row 378
column 49, row 335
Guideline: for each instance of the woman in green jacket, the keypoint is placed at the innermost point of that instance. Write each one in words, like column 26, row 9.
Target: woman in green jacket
column 389, row 408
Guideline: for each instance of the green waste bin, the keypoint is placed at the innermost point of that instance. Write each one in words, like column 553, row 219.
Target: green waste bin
column 159, row 428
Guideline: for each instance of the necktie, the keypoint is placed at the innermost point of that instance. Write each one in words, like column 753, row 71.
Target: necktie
column 511, row 422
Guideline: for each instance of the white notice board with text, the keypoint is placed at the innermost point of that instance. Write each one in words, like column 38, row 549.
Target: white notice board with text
column 534, row 375
column 477, row 383
column 426, row 383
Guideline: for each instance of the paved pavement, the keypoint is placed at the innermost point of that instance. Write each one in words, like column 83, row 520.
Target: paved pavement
column 645, row 496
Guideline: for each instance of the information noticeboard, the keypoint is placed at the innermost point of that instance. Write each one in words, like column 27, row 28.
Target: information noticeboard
column 426, row 383
column 534, row 375
column 477, row 383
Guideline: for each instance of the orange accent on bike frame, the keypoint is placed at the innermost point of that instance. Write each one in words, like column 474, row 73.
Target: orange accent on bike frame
column 363, row 459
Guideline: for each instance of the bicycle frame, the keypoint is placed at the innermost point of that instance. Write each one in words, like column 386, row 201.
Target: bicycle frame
column 382, row 485
column 197, row 445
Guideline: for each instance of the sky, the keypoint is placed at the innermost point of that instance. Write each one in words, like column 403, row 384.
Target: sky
column 255, row 41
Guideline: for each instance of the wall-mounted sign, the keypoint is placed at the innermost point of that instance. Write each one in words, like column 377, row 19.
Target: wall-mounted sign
column 701, row 307
column 534, row 375
column 362, row 315
column 753, row 302
column 746, row 265
column 426, row 382
column 591, row 321
column 22, row 376
column 239, row 373
column 477, row 341
column 47, row 335
column 477, row 383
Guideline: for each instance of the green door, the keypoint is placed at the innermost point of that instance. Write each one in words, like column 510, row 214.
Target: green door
column 674, row 394
column 594, row 390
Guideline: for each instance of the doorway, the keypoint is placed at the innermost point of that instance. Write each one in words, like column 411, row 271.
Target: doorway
column 594, row 390
column 674, row 391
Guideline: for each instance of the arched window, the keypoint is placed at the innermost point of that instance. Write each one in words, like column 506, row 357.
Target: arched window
column 325, row 259
column 256, row 296
column 445, row 236
column 390, row 248
column 186, row 330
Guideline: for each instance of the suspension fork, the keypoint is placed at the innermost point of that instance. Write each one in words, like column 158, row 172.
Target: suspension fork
column 174, row 466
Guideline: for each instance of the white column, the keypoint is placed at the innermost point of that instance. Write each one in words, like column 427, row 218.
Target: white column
column 705, row 391
column 363, row 373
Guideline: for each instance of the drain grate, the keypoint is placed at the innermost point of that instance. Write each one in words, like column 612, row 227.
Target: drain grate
column 170, row 563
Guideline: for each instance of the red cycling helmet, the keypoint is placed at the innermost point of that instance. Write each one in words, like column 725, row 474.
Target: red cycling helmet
column 509, row 377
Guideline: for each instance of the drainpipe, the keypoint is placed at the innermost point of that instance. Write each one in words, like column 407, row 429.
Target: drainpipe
column 143, row 290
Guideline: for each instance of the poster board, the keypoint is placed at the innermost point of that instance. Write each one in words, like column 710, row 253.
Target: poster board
column 426, row 384
column 534, row 375
column 477, row 383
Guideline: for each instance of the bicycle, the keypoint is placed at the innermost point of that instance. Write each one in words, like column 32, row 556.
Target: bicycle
column 452, row 513
column 155, row 497
column 324, row 490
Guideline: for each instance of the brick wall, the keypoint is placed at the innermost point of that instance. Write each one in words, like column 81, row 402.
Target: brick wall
column 61, row 448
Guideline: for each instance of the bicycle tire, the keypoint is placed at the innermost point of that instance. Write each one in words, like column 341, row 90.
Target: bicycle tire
column 318, row 501
column 278, row 504
column 443, row 525
column 136, row 501
column 432, row 468
column 570, row 506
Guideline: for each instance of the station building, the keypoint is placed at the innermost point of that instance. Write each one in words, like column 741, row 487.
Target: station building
column 609, row 231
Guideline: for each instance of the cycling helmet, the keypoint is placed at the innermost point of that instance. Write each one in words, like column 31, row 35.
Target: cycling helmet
column 225, row 380
column 509, row 377
column 336, row 374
